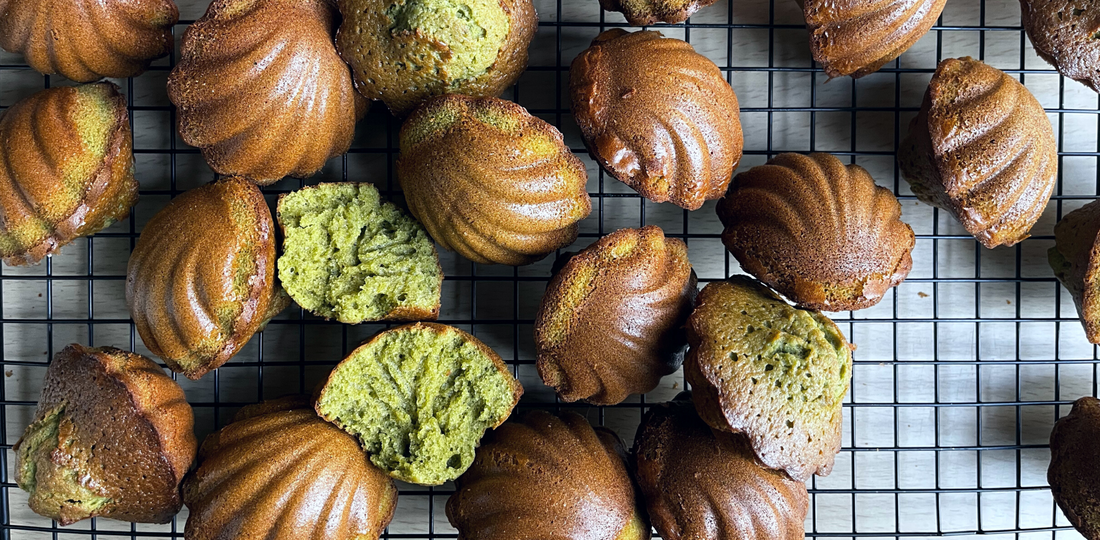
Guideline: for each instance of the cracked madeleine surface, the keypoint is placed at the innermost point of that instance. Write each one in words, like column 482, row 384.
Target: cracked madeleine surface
column 774, row 372
column 280, row 472
column 112, row 437
column 201, row 279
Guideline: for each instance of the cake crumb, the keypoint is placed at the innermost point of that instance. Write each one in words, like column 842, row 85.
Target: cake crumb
column 922, row 294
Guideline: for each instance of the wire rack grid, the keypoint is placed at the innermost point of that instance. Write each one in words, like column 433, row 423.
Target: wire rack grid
column 960, row 372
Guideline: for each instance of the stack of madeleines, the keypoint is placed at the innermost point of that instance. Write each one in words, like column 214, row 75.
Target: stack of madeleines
column 273, row 88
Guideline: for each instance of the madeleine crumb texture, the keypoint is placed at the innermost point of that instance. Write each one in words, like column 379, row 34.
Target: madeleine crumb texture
column 348, row 256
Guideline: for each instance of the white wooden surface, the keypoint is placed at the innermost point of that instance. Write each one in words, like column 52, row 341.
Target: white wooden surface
column 870, row 493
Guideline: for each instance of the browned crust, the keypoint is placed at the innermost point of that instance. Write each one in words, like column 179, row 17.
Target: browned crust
column 397, row 314
column 649, row 12
column 1074, row 473
column 1077, row 239
column 1064, row 33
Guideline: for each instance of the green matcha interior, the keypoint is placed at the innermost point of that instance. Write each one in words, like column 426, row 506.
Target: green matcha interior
column 419, row 400
column 347, row 256
column 56, row 490
column 472, row 30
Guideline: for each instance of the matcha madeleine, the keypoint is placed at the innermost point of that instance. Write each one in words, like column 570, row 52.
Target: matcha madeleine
column 774, row 372
column 419, row 397
column 201, row 280
column 405, row 51
column 490, row 181
column 348, row 256
column 66, row 169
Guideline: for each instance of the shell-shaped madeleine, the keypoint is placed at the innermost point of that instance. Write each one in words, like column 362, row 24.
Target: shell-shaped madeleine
column 547, row 477
column 819, row 232
column 1075, row 260
column 87, row 40
column 262, row 91
column 983, row 149
column 113, row 436
column 490, row 181
column 1063, row 33
column 201, row 279
column 657, row 115
column 1074, row 472
column 66, row 169
column 611, row 321
column 857, row 37
column 280, row 472
column 647, row 12
column 703, row 484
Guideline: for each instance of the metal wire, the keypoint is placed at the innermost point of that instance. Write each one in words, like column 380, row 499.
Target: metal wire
column 218, row 409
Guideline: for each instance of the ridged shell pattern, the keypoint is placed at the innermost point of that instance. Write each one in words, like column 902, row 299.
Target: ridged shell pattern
column 262, row 91
column 490, row 181
column 611, row 321
column 87, row 40
column 66, row 169
column 280, row 472
column 819, row 232
column 857, row 37
column 200, row 281
column 700, row 484
column 658, row 116
column 547, row 478
column 983, row 149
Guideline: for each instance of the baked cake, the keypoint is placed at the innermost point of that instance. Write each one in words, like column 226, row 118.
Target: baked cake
column 490, row 181
column 648, row 12
column 112, row 437
column 201, row 279
column 1075, row 259
column 1064, row 33
column 657, row 115
column 611, row 322
column 817, row 231
column 982, row 149
column 774, row 372
column 1074, row 473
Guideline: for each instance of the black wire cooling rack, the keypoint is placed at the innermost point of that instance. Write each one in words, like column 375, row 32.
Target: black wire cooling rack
column 960, row 373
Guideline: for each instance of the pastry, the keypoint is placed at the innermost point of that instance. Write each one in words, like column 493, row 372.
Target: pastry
column 419, row 397
column 1064, row 33
column 657, row 115
column 548, row 477
column 817, row 231
column 700, row 484
column 201, row 279
column 87, row 40
column 1074, row 473
column 490, row 181
column 1075, row 259
column 112, row 437
column 279, row 472
column 983, row 150
column 611, row 322
column 776, row 373
column 857, row 37
column 405, row 51
column 348, row 256
column 66, row 169
column 648, row 12
column 261, row 90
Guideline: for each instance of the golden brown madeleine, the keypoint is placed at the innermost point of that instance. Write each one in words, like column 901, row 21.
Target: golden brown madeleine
column 647, row 12
column 819, row 232
column 405, row 51
column 261, row 90
column 774, row 372
column 490, row 181
column 66, row 169
column 87, row 40
column 982, row 149
column 700, row 484
column 548, row 477
column 201, row 279
column 857, row 37
column 112, row 437
column 1063, row 33
column 1075, row 259
column 611, row 322
column 1074, row 473
column 657, row 115
column 280, row 472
